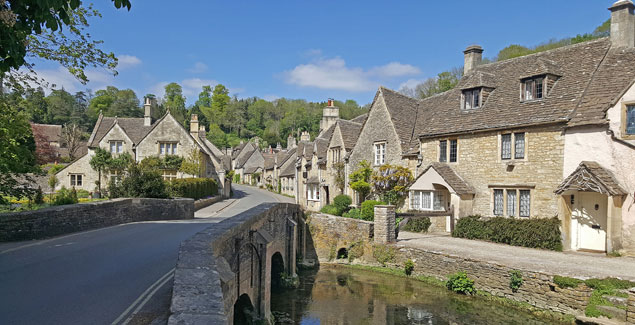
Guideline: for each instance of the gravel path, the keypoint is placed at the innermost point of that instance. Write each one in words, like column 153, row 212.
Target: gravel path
column 580, row 265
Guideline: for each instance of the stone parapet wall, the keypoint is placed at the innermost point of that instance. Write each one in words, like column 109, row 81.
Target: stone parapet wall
column 630, row 309
column 384, row 230
column 203, row 203
column 329, row 233
column 537, row 289
column 66, row 219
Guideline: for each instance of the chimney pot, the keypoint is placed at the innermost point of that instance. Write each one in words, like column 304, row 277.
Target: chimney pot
column 473, row 55
column 622, row 24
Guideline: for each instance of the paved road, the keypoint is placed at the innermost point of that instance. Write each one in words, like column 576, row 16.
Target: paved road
column 104, row 275
column 583, row 265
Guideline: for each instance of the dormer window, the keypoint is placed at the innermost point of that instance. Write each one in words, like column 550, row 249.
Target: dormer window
column 532, row 88
column 471, row 98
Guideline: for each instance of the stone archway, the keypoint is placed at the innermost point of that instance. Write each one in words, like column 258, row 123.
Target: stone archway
column 244, row 312
column 277, row 271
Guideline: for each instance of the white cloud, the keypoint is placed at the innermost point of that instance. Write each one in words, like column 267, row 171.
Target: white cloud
column 60, row 78
column 127, row 61
column 198, row 67
column 334, row 74
column 410, row 83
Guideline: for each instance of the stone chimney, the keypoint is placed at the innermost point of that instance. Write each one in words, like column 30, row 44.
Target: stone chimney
column 473, row 57
column 330, row 114
column 201, row 132
column 147, row 108
column 305, row 136
column 622, row 24
column 194, row 126
column 291, row 142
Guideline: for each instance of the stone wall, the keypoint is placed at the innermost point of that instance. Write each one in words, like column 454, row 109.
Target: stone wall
column 630, row 311
column 479, row 164
column 65, row 219
column 328, row 234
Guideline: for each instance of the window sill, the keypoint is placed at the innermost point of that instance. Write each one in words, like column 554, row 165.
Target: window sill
column 532, row 100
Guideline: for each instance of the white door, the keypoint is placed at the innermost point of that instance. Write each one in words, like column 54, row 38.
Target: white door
column 589, row 221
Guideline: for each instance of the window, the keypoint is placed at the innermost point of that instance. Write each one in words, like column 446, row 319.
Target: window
column 336, row 154
column 116, row 147
column 517, row 150
column 313, row 192
column 629, row 120
column 443, row 151
column 532, row 88
column 115, row 176
column 512, row 202
column 498, row 202
column 471, row 98
column 76, row 180
column 427, row 200
column 380, row 153
column 167, row 148
column 169, row 175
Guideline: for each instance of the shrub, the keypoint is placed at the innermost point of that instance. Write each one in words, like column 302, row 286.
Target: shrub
column 460, row 283
column 368, row 209
column 533, row 233
column 236, row 178
column 353, row 214
column 140, row 183
column 383, row 254
column 342, row 202
column 65, row 196
column 193, row 188
column 515, row 280
column 329, row 209
column 83, row 194
column 566, row 282
column 39, row 196
column 408, row 267
column 418, row 225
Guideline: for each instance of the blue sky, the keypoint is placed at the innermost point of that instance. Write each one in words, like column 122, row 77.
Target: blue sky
column 313, row 49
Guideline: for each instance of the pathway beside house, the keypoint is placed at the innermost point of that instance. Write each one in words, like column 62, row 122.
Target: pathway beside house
column 579, row 265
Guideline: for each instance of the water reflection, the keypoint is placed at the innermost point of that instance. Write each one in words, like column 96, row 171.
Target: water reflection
column 340, row 295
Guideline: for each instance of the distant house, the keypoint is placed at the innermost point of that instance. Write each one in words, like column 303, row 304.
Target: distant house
column 142, row 138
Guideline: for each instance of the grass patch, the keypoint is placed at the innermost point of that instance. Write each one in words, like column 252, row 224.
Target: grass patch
column 566, row 282
column 601, row 288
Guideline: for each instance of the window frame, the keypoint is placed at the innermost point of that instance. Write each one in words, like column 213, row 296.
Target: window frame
column 313, row 192
column 469, row 94
column 624, row 122
column 169, row 145
column 447, row 154
column 169, row 174
column 417, row 195
column 533, row 81
column 513, row 154
column 379, row 151
column 76, row 177
column 518, row 191
column 118, row 146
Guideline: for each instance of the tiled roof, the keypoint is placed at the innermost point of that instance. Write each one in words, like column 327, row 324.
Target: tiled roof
column 403, row 113
column 321, row 147
column 327, row 133
column 251, row 170
column 591, row 176
column 576, row 65
column 269, row 160
column 51, row 132
column 285, row 155
column 360, row 119
column 448, row 174
column 244, row 155
column 289, row 170
column 133, row 126
column 350, row 132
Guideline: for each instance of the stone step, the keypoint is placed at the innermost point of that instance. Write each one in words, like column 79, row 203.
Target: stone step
column 618, row 301
column 583, row 320
column 616, row 313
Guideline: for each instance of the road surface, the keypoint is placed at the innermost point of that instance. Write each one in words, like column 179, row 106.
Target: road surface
column 120, row 274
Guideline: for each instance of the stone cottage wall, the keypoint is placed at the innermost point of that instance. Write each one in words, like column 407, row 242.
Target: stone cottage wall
column 480, row 165
column 65, row 219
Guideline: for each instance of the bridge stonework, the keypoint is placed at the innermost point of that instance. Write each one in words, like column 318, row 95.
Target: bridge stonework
column 231, row 262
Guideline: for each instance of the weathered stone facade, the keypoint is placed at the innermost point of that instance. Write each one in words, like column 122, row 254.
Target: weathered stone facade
column 479, row 164
column 384, row 230
column 630, row 311
column 65, row 219
column 329, row 234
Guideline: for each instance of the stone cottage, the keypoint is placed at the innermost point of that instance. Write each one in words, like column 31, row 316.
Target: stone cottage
column 503, row 140
column 341, row 143
column 141, row 138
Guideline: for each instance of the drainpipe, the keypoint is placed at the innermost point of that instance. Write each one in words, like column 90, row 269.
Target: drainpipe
column 616, row 139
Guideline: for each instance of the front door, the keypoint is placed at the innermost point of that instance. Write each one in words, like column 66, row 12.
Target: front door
column 589, row 221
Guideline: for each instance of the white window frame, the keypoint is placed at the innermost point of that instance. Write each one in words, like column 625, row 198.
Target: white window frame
column 168, row 148
column 76, row 180
column 513, row 138
column 116, row 146
column 380, row 153
column 313, row 192
column 529, row 89
column 505, row 209
column 169, row 174
column 416, row 200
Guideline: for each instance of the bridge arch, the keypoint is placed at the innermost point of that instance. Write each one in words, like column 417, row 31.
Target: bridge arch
column 277, row 271
column 244, row 311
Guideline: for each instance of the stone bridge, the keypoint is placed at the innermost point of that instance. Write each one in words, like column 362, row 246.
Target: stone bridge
column 225, row 273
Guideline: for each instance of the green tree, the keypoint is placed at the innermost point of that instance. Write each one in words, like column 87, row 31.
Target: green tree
column 60, row 106
column 114, row 102
column 193, row 164
column 99, row 162
column 359, row 179
column 174, row 101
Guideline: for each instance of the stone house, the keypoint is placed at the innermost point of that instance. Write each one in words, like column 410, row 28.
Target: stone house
column 386, row 136
column 287, row 173
column 142, row 138
column 240, row 157
column 503, row 140
column 341, row 143
column 251, row 166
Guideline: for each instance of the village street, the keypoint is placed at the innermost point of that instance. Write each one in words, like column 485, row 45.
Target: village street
column 105, row 275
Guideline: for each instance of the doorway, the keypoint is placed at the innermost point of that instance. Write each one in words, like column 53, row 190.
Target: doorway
column 589, row 221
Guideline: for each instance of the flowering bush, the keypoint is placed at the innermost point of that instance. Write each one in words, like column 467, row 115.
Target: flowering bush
column 391, row 183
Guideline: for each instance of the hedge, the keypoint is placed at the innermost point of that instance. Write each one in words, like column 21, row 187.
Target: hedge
column 368, row 209
column 194, row 188
column 533, row 233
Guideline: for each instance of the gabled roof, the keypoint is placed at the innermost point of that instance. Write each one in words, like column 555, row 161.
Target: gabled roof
column 283, row 156
column 576, row 64
column 270, row 160
column 479, row 79
column 321, row 147
column 133, row 127
column 244, row 155
column 448, row 174
column 51, row 132
column 591, row 176
column 360, row 119
column 236, row 151
column 327, row 133
column 251, row 170
column 350, row 132
column 289, row 169
column 403, row 113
